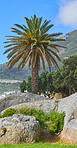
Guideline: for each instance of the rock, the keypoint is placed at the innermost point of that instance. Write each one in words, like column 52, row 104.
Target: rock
column 19, row 129
column 69, row 105
column 29, row 100
column 58, row 96
column 45, row 105
column 70, row 131
column 23, row 98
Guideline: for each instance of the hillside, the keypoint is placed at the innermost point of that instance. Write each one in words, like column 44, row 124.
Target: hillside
column 70, row 43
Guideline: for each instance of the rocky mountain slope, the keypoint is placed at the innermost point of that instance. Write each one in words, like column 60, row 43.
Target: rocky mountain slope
column 70, row 43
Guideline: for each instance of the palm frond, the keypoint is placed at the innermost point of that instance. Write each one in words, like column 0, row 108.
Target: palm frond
column 24, row 29
column 33, row 43
column 47, row 28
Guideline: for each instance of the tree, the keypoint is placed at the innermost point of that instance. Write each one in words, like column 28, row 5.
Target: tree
column 49, row 82
column 23, row 86
column 32, row 44
column 29, row 86
column 65, row 79
column 42, row 83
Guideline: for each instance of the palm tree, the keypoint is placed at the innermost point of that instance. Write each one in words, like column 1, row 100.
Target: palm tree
column 33, row 44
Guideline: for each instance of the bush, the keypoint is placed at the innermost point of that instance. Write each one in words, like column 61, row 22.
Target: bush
column 57, row 121
column 9, row 112
column 38, row 114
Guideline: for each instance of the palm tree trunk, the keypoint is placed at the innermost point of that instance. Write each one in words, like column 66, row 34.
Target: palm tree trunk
column 35, row 78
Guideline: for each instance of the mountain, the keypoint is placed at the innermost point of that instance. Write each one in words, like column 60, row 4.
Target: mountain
column 70, row 43
column 71, row 49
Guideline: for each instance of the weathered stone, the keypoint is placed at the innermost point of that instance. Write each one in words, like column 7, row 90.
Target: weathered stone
column 70, row 131
column 23, row 98
column 45, row 105
column 69, row 105
column 19, row 129
column 58, row 96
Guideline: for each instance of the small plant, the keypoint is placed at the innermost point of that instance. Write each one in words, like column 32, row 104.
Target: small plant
column 9, row 112
column 57, row 121
column 56, row 101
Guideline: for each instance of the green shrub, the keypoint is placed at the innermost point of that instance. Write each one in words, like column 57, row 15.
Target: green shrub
column 38, row 114
column 57, row 121
column 9, row 112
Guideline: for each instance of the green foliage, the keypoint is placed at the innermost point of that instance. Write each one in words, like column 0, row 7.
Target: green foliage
column 45, row 83
column 38, row 114
column 49, row 82
column 26, row 85
column 57, row 121
column 42, row 83
column 29, row 84
column 23, row 86
column 65, row 79
column 9, row 112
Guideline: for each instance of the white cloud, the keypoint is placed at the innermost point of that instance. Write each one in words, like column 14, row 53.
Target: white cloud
column 68, row 13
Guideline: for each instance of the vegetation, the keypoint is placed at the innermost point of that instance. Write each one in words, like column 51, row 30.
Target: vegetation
column 63, row 80
column 32, row 44
column 44, row 84
column 23, row 86
column 29, row 84
column 39, row 145
column 56, row 119
column 9, row 112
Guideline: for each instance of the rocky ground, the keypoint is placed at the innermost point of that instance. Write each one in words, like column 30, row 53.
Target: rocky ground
column 68, row 104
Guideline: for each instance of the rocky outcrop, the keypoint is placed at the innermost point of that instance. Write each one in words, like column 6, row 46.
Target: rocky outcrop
column 19, row 129
column 69, row 105
column 45, row 105
column 27, row 99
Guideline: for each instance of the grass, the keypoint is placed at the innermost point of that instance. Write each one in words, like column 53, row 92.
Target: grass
column 37, row 145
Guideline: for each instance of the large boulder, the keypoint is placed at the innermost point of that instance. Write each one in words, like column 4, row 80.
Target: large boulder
column 45, row 105
column 19, row 129
column 69, row 105
column 29, row 99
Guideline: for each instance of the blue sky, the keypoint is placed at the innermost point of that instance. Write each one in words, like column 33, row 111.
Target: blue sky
column 62, row 13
